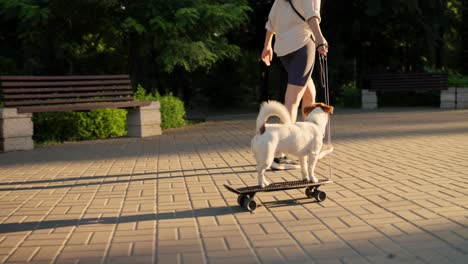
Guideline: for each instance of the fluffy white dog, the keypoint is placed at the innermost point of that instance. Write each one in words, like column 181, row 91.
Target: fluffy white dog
column 302, row 139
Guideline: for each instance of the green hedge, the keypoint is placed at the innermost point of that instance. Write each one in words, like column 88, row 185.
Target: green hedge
column 71, row 126
column 457, row 80
column 349, row 96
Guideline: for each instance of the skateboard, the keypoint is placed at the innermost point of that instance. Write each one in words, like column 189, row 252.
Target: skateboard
column 246, row 195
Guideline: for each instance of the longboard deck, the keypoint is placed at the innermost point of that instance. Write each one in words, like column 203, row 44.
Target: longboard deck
column 277, row 186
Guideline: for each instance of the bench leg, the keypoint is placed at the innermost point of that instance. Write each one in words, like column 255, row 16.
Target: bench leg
column 144, row 121
column 462, row 98
column 448, row 98
column 369, row 99
column 16, row 130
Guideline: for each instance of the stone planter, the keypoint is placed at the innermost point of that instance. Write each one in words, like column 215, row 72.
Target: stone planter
column 448, row 98
column 462, row 98
column 144, row 121
column 16, row 130
column 369, row 99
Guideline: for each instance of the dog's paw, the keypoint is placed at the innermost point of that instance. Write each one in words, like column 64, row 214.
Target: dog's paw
column 264, row 183
column 313, row 179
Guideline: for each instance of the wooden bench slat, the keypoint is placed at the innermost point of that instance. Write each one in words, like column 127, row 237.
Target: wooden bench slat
column 408, row 82
column 65, row 101
column 63, row 83
column 81, row 107
column 67, row 89
column 55, row 78
column 406, row 90
column 65, row 95
column 30, row 94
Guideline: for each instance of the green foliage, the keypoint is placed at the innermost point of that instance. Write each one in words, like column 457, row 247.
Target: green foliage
column 172, row 112
column 237, row 89
column 142, row 95
column 349, row 96
column 406, row 35
column 172, row 108
column 70, row 126
column 193, row 34
column 457, row 80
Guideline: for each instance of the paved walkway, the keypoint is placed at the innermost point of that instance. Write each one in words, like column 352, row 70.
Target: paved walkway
column 400, row 196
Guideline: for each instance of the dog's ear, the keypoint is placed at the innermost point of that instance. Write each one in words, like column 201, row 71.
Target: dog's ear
column 326, row 108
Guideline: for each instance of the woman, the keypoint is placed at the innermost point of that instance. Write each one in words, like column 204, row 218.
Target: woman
column 296, row 26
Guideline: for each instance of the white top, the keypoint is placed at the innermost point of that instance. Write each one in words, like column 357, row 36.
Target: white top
column 291, row 32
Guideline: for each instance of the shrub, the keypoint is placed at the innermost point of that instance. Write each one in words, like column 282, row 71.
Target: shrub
column 457, row 80
column 172, row 112
column 172, row 108
column 349, row 96
column 69, row 126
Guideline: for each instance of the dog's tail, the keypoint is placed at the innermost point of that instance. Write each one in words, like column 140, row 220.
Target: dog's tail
column 272, row 108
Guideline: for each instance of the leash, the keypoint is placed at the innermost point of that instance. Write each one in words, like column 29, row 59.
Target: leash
column 324, row 80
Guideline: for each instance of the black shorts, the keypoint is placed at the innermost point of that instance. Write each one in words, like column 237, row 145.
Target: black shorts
column 299, row 64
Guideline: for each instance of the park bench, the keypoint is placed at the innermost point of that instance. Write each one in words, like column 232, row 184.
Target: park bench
column 401, row 82
column 24, row 95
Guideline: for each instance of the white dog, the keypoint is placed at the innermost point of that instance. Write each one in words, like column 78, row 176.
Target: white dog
column 302, row 139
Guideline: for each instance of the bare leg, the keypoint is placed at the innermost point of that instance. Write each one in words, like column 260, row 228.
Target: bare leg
column 292, row 99
column 309, row 96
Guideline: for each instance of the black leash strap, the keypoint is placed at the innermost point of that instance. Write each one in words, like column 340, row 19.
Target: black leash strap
column 295, row 10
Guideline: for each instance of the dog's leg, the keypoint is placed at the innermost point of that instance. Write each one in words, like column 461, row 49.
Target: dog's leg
column 265, row 158
column 261, row 168
column 304, row 167
column 325, row 152
column 313, row 158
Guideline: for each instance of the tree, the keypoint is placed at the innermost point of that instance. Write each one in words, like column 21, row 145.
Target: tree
column 181, row 36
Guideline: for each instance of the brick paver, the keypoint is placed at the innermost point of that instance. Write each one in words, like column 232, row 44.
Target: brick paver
column 399, row 196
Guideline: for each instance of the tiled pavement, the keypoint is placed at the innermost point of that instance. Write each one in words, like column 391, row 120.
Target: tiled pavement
column 399, row 196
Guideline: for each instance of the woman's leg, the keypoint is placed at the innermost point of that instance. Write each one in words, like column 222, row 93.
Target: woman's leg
column 309, row 96
column 299, row 65
column 292, row 99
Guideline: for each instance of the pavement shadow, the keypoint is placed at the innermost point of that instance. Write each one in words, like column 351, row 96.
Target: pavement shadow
column 289, row 203
column 135, row 177
column 49, row 224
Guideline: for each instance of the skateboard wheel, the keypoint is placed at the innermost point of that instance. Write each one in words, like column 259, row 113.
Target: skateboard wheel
column 309, row 192
column 240, row 200
column 320, row 196
column 250, row 204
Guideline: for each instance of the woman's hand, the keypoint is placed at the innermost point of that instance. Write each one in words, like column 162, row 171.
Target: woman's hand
column 267, row 55
column 322, row 47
